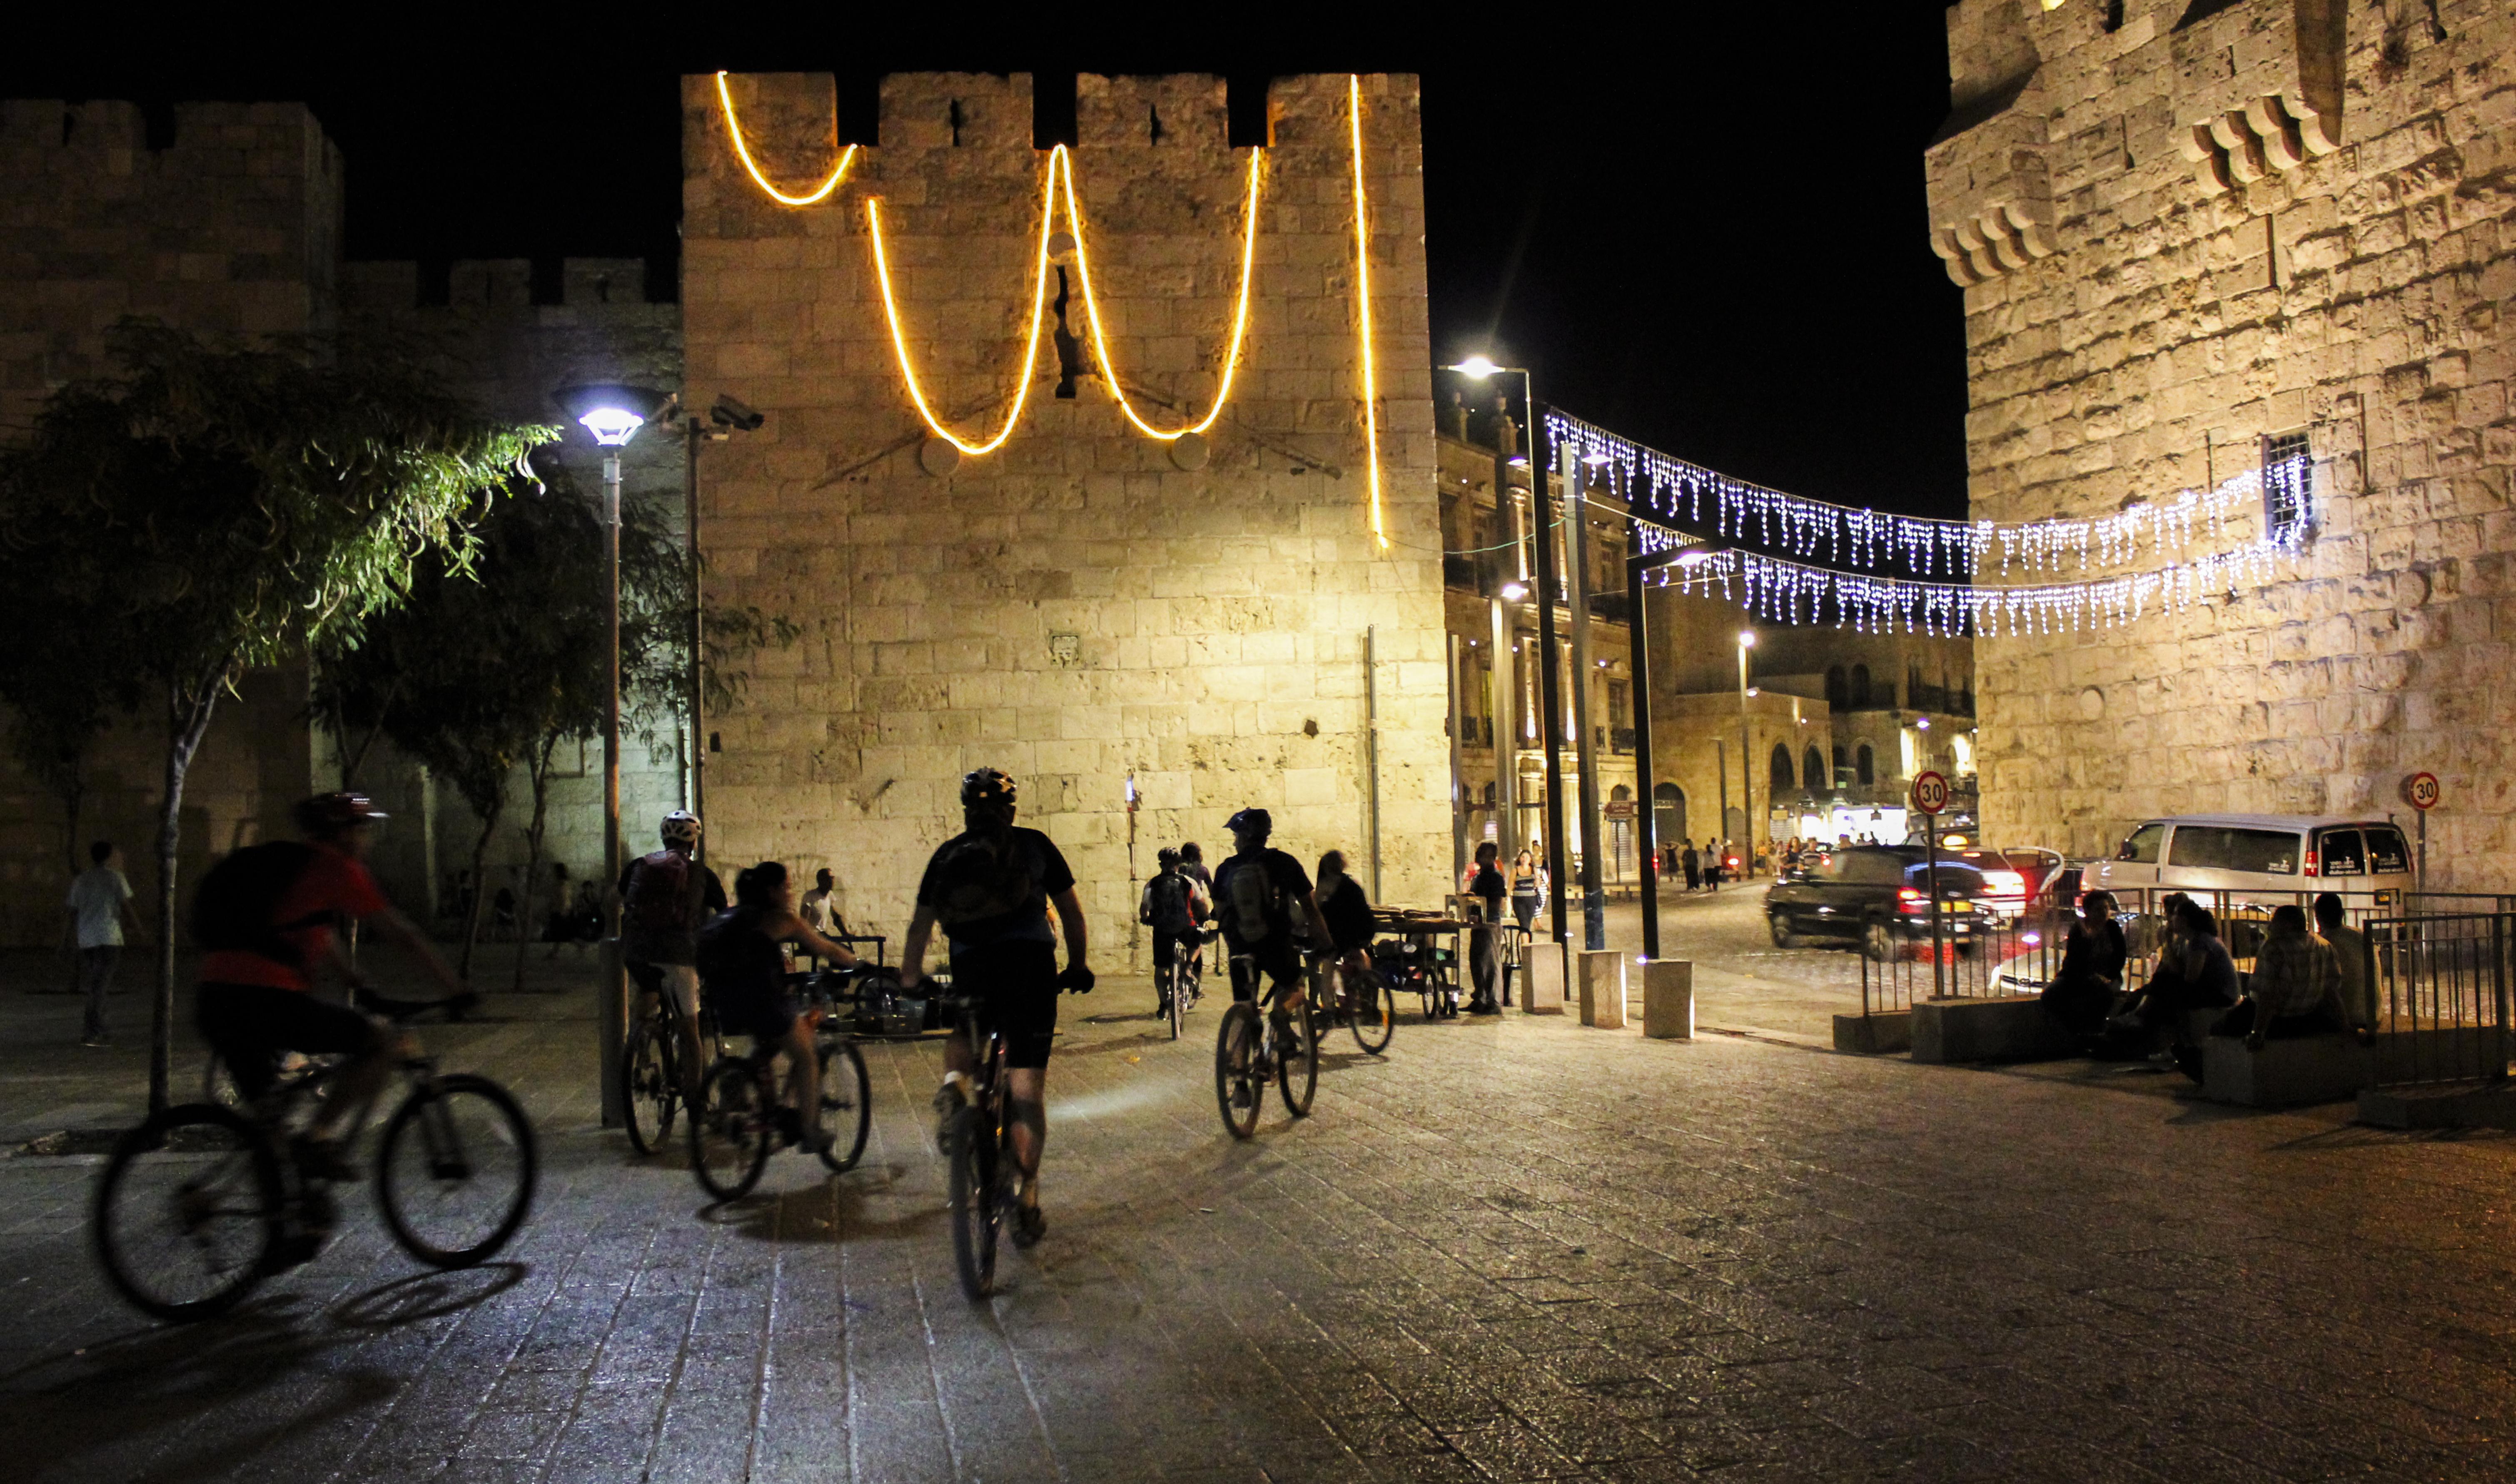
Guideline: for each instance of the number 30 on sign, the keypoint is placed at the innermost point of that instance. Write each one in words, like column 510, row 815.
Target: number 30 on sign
column 1930, row 794
column 2420, row 791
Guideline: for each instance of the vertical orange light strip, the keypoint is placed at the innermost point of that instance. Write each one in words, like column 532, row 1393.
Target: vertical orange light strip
column 1362, row 308
column 1030, row 349
column 1239, row 315
column 742, row 151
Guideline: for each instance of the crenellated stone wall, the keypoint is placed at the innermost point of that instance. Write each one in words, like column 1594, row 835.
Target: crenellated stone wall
column 2231, row 222
column 1083, row 605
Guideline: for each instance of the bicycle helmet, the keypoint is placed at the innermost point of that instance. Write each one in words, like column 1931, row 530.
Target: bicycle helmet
column 1166, row 857
column 1257, row 822
column 680, row 828
column 987, row 786
column 328, row 814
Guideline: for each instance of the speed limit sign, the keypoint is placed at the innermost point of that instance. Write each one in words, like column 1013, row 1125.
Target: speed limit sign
column 2420, row 791
column 1930, row 793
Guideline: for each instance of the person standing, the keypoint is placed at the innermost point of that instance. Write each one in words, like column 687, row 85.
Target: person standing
column 99, row 904
column 1692, row 864
column 666, row 897
column 1486, row 888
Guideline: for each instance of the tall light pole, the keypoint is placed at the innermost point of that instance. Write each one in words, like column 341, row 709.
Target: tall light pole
column 1746, row 773
column 614, row 414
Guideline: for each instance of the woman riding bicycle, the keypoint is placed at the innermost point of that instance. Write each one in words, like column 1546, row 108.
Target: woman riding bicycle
column 746, row 982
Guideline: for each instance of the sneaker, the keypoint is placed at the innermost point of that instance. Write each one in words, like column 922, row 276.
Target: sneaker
column 321, row 1159
column 950, row 1101
column 1029, row 1225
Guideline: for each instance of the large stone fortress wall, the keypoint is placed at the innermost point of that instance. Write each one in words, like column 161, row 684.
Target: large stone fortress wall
column 1074, row 607
column 2184, row 227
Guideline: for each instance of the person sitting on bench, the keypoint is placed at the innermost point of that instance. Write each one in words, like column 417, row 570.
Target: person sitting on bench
column 2295, row 990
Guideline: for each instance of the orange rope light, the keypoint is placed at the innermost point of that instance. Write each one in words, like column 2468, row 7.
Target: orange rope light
column 733, row 127
column 1109, row 377
column 1363, row 307
column 1030, row 349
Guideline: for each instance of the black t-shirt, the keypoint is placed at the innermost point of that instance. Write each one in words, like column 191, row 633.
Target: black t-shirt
column 1254, row 896
column 994, row 888
column 739, row 958
column 1349, row 915
column 1487, row 886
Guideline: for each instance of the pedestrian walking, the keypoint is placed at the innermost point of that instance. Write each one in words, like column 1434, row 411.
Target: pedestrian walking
column 1526, row 891
column 1487, row 891
column 99, row 904
column 1691, row 863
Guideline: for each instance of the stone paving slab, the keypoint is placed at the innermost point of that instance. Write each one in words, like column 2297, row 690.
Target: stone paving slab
column 1510, row 1251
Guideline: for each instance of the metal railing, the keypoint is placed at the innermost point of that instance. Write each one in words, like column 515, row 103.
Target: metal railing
column 2018, row 954
column 2440, row 991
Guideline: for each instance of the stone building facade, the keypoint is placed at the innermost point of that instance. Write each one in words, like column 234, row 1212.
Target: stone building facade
column 1092, row 610
column 2192, row 233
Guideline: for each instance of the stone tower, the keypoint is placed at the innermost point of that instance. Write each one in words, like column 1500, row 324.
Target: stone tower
column 2194, row 234
column 1083, row 605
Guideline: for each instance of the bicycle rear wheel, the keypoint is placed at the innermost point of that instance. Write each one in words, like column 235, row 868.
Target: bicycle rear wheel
column 847, row 1104
column 187, row 1212
column 1376, row 1011
column 730, row 1131
column 650, row 1086
column 1239, row 1084
column 1297, row 1062
column 977, row 1216
column 455, row 1173
column 1175, row 985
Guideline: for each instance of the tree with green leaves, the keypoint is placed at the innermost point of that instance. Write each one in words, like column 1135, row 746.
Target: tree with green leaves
column 238, row 507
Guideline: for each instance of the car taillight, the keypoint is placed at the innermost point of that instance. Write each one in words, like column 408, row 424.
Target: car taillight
column 2310, row 862
column 1909, row 900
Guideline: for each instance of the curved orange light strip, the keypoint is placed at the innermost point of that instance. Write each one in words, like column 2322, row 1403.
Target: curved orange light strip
column 1030, row 349
column 733, row 127
column 1240, row 314
column 1363, row 306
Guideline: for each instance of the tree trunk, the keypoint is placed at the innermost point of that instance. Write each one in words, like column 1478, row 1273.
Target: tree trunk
column 187, row 719
column 538, row 771
column 480, row 885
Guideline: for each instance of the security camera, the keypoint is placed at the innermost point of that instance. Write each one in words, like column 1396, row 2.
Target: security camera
column 729, row 413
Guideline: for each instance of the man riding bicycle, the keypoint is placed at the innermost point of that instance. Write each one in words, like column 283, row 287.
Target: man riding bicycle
column 1256, row 892
column 665, row 897
column 255, row 998
column 1175, row 906
column 991, row 887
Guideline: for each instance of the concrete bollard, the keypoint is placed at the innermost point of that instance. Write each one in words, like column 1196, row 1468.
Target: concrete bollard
column 1542, row 977
column 1603, row 988
column 1668, row 1000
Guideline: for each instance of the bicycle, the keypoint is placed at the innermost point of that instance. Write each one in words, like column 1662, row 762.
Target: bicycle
column 743, row 1117
column 979, row 1142
column 1248, row 1053
column 199, row 1204
column 1362, row 1004
column 1183, row 984
column 650, row 1070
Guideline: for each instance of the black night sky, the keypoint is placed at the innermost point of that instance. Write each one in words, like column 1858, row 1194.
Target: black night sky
column 1705, row 231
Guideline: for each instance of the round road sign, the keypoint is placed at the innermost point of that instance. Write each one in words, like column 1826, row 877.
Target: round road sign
column 1930, row 793
column 2420, row 791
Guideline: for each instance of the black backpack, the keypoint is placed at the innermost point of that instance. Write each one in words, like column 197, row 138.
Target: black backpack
column 238, row 903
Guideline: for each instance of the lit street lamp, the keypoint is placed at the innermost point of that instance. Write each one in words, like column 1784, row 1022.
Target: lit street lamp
column 614, row 414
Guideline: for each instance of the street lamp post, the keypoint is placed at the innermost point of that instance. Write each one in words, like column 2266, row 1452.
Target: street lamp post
column 1746, row 767
column 614, row 414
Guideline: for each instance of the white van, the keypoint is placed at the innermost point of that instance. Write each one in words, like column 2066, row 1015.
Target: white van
column 2288, row 857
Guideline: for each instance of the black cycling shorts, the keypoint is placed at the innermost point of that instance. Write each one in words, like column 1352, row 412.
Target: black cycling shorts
column 1275, row 958
column 1167, row 945
column 249, row 1025
column 1017, row 986
column 765, row 1015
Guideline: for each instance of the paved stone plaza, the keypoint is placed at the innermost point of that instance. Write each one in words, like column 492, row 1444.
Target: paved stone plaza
column 1506, row 1250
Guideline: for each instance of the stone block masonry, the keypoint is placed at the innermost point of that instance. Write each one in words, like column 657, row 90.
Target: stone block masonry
column 1077, row 607
column 2184, row 229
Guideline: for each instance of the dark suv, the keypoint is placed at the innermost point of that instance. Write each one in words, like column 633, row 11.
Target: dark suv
column 1880, row 896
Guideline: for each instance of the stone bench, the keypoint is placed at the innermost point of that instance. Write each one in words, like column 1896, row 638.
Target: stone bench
column 2303, row 1069
column 2006, row 1028
column 1887, row 1031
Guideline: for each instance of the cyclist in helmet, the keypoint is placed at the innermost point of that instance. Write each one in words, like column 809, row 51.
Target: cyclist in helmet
column 255, row 998
column 991, row 889
column 1258, row 893
column 1175, row 906
column 665, row 897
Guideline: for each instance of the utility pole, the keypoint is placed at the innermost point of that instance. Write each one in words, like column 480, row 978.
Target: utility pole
column 1585, row 744
column 1550, row 728
column 1503, row 673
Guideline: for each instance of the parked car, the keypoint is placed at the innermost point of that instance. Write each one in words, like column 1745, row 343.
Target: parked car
column 2281, row 857
column 1878, row 895
column 2017, row 877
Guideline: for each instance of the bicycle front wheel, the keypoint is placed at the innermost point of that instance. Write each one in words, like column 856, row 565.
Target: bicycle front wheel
column 1239, row 1086
column 1375, row 1012
column 977, row 1215
column 1178, row 985
column 1297, row 1062
column 455, row 1173
column 730, row 1131
column 187, row 1212
column 650, row 1086
column 847, row 1104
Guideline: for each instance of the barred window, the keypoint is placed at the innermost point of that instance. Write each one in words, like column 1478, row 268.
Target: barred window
column 2288, row 487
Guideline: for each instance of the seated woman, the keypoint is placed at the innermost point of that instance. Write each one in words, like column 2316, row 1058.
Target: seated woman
column 2194, row 973
column 2083, row 992
column 746, row 982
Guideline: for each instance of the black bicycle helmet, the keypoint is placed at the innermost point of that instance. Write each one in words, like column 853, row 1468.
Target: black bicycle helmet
column 1166, row 857
column 987, row 794
column 1253, row 821
column 328, row 814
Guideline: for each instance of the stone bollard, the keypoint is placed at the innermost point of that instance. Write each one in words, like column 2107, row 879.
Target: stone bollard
column 1668, row 1000
column 1603, row 988
column 1542, row 977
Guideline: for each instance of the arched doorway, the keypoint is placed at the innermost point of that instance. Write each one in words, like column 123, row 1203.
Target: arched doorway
column 1781, row 770
column 1668, row 814
column 1813, row 771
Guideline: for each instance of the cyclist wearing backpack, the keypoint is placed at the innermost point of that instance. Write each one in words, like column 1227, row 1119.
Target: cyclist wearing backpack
column 1257, row 895
column 1175, row 906
column 267, row 914
column 991, row 887
column 665, row 897
column 746, row 975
